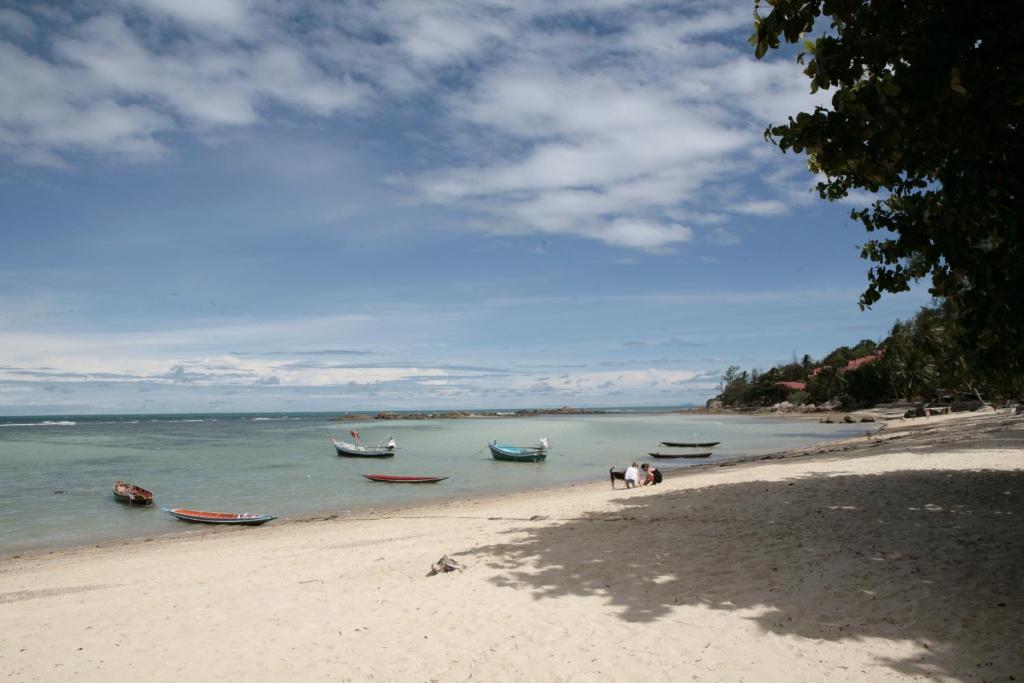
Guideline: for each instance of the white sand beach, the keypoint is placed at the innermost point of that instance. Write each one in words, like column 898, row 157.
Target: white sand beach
column 900, row 558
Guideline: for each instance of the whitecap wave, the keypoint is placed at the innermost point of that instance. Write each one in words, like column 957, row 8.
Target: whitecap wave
column 44, row 423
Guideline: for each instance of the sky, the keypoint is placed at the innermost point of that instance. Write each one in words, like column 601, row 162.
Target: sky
column 256, row 205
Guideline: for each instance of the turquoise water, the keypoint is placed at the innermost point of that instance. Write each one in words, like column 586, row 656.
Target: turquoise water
column 286, row 465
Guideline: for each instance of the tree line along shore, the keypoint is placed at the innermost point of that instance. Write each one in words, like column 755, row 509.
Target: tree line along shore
column 922, row 363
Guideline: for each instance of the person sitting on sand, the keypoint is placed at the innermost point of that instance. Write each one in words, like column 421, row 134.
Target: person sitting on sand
column 649, row 475
column 632, row 476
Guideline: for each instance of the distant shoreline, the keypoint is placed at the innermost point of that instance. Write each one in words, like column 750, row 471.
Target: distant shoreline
column 472, row 414
column 821, row 415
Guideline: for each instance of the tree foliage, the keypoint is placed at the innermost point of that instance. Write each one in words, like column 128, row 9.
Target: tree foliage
column 927, row 110
column 921, row 359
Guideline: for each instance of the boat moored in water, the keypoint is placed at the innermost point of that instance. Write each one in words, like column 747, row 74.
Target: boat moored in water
column 690, row 444
column 204, row 517
column 509, row 453
column 656, row 454
column 132, row 494
column 396, row 479
column 384, row 449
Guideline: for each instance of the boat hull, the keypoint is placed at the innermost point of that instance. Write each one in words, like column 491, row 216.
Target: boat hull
column 204, row 517
column 394, row 479
column 517, row 454
column 346, row 450
column 130, row 494
column 345, row 453
column 690, row 444
column 654, row 454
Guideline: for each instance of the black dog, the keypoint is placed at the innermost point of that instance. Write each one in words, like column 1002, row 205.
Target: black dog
column 614, row 474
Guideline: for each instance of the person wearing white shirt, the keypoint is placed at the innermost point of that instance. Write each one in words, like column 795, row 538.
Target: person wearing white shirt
column 632, row 476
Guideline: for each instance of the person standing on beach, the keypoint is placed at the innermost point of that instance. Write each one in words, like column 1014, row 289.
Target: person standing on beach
column 632, row 476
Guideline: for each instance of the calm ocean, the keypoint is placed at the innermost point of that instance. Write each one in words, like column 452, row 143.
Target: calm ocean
column 56, row 473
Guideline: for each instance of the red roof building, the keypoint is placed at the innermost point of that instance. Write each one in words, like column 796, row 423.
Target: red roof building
column 795, row 386
column 863, row 360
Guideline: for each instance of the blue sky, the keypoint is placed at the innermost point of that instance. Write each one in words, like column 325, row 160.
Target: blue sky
column 250, row 205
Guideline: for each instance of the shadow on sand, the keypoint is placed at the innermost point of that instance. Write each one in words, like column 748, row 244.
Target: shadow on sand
column 934, row 557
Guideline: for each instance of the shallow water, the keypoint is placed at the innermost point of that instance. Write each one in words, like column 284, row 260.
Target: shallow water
column 287, row 466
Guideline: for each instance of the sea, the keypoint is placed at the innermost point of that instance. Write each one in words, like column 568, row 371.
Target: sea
column 57, row 472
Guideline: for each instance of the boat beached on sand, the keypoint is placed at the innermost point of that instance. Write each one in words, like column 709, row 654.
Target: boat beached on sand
column 656, row 454
column 204, row 517
column 132, row 494
column 509, row 453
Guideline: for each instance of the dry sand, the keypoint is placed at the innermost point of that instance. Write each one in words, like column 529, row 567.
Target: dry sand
column 898, row 560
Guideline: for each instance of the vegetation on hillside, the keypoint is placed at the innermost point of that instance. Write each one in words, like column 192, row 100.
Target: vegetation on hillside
column 922, row 359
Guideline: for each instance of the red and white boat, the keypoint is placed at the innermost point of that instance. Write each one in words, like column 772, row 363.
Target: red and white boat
column 132, row 494
column 204, row 517
column 395, row 479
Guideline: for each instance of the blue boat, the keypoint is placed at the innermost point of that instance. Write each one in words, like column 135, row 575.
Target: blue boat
column 508, row 453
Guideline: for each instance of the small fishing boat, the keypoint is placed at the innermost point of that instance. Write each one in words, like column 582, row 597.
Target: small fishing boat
column 132, row 494
column 508, row 453
column 384, row 449
column 656, row 454
column 690, row 444
column 204, row 517
column 395, row 479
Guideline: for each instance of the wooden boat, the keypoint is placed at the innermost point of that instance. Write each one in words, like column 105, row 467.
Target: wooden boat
column 656, row 454
column 204, row 517
column 132, row 494
column 385, row 449
column 507, row 453
column 690, row 444
column 395, row 479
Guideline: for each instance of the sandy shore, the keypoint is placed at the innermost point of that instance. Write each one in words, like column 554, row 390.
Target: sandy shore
column 900, row 557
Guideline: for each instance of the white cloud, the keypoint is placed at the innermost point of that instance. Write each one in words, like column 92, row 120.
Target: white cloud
column 640, row 234
column 113, row 91
column 221, row 15
column 762, row 207
column 15, row 23
column 551, row 127
column 641, row 128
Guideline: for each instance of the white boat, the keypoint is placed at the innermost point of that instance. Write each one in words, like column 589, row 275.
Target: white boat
column 384, row 449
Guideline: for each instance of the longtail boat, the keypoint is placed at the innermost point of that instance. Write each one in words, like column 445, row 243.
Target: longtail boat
column 204, row 517
column 384, row 449
column 656, row 454
column 396, row 479
column 132, row 494
column 690, row 444
column 508, row 453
